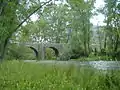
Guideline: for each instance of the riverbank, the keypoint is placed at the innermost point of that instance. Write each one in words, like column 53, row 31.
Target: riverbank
column 18, row 75
column 95, row 58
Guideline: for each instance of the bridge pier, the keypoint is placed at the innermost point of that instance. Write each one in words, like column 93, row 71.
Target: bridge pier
column 42, row 52
column 39, row 53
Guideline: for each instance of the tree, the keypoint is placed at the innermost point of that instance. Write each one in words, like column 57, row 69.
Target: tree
column 57, row 17
column 9, row 18
column 52, row 25
column 112, row 28
column 82, row 12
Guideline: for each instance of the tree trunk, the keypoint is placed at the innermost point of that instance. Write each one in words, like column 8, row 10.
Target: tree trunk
column 85, row 47
column 89, row 45
column 116, row 43
column 88, row 39
column 99, row 38
column 3, row 46
column 105, row 41
column 105, row 44
column 115, row 48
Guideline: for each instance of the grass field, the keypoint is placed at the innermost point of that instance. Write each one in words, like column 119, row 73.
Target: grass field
column 15, row 75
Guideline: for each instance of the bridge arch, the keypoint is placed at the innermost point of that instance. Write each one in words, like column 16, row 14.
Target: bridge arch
column 35, row 51
column 55, row 50
column 41, row 48
column 49, row 54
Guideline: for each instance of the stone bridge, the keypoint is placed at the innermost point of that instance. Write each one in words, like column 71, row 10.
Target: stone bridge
column 40, row 48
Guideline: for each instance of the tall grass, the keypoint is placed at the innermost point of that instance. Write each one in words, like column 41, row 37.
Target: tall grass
column 15, row 75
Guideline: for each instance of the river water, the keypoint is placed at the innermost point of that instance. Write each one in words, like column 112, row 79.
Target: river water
column 101, row 65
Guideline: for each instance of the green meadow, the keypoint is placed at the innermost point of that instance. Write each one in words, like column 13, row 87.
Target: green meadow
column 18, row 75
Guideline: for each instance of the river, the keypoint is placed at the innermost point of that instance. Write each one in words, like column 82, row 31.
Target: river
column 101, row 65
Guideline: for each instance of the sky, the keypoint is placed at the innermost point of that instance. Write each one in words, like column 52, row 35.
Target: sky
column 95, row 20
column 100, row 17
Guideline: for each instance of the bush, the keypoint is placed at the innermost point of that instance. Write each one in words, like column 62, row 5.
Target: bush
column 72, row 53
column 50, row 54
column 66, row 54
column 19, row 52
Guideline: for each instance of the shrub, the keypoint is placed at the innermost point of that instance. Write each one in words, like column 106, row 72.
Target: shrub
column 19, row 52
column 50, row 54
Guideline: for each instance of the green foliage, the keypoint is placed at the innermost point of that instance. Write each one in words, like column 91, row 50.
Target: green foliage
column 20, row 53
column 112, row 29
column 73, row 48
column 66, row 54
column 55, row 21
column 7, row 18
column 50, row 54
column 17, row 75
column 75, row 44
column 13, row 13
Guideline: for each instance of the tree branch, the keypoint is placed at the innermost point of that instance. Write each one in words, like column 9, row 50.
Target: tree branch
column 29, row 17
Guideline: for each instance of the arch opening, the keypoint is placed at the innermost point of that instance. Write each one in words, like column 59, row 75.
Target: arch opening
column 55, row 50
column 35, row 51
column 51, row 53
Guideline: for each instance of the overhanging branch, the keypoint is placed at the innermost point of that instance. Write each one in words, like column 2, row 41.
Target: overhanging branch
column 29, row 16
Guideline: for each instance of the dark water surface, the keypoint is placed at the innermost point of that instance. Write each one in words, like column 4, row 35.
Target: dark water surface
column 101, row 65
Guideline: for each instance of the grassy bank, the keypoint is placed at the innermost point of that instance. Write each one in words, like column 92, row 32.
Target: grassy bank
column 15, row 75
